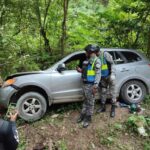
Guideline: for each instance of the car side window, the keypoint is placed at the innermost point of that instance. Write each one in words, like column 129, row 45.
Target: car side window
column 112, row 54
column 131, row 56
column 72, row 65
column 118, row 59
column 75, row 61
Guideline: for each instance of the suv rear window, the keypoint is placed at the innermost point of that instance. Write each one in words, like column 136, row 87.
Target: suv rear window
column 131, row 56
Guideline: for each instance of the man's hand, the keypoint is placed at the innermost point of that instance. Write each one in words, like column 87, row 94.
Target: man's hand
column 13, row 117
column 94, row 89
column 79, row 69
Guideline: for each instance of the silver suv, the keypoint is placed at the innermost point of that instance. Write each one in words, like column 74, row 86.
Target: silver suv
column 34, row 91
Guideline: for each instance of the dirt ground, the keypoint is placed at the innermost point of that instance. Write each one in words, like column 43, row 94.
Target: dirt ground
column 58, row 130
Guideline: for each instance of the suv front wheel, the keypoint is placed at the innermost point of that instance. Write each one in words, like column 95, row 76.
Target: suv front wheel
column 31, row 106
column 133, row 92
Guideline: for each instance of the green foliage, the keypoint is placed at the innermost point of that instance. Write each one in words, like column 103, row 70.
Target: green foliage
column 135, row 121
column 108, row 137
column 22, row 138
column 68, row 107
column 146, row 103
column 62, row 145
column 107, row 141
column 22, row 144
column 118, row 126
column 146, row 145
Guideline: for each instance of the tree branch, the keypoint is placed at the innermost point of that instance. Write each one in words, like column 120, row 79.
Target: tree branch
column 46, row 12
column 42, row 28
column 63, row 37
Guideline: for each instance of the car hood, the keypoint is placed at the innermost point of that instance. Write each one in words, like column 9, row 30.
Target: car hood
column 23, row 74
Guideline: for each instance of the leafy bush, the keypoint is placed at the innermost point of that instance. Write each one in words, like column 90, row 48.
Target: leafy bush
column 146, row 145
column 134, row 122
column 146, row 103
column 62, row 145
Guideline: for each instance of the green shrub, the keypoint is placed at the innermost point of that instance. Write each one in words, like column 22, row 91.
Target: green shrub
column 146, row 103
column 135, row 121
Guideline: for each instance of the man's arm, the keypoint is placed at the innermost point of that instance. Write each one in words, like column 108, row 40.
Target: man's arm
column 97, row 72
column 11, row 135
column 109, row 58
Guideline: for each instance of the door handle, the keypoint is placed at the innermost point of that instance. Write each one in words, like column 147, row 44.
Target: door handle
column 124, row 70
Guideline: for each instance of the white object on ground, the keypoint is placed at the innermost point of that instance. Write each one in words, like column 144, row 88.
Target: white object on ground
column 142, row 131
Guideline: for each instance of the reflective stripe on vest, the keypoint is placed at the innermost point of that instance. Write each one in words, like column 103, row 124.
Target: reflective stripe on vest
column 104, row 67
column 91, row 72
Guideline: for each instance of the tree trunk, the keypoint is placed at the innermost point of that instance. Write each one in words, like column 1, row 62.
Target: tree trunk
column 142, row 18
column 63, row 37
column 105, row 2
column 2, row 12
column 148, row 45
column 46, row 41
column 42, row 25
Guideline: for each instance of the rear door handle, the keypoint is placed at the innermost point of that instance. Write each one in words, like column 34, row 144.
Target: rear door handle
column 124, row 69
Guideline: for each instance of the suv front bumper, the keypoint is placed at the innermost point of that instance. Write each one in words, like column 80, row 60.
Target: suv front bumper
column 6, row 94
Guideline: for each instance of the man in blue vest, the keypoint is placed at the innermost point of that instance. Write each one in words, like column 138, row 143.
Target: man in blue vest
column 91, row 74
column 107, row 81
column 8, row 133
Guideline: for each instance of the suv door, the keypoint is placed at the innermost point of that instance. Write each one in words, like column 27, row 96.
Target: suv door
column 123, row 67
column 132, row 91
column 67, row 85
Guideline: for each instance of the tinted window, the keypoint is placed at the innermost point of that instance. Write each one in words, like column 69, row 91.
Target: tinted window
column 131, row 57
column 112, row 54
column 118, row 59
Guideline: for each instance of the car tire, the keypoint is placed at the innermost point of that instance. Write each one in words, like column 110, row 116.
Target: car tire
column 133, row 92
column 31, row 106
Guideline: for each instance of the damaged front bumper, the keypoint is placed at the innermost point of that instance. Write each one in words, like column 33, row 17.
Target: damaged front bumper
column 6, row 94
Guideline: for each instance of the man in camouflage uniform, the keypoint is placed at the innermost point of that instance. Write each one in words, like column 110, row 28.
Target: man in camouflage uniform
column 91, row 74
column 108, row 81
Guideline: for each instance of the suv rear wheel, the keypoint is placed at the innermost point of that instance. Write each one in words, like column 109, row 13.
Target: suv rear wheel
column 133, row 92
column 31, row 106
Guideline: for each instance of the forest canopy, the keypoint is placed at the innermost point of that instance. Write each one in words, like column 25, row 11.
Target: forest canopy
column 36, row 33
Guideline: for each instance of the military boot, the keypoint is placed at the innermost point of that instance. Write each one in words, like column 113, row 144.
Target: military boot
column 112, row 112
column 81, row 118
column 87, row 120
column 102, row 108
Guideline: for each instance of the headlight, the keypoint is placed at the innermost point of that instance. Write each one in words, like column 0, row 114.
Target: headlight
column 8, row 82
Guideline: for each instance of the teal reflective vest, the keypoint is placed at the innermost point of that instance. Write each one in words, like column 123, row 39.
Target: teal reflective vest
column 104, row 66
column 91, row 71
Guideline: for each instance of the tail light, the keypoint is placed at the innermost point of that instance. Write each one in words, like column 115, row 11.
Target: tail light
column 149, row 65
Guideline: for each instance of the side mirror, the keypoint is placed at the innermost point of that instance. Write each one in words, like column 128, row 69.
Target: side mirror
column 61, row 67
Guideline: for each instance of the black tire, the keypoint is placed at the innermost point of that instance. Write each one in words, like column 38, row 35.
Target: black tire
column 31, row 106
column 133, row 92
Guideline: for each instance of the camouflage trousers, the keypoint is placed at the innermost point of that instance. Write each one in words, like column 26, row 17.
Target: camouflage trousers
column 105, row 85
column 88, row 104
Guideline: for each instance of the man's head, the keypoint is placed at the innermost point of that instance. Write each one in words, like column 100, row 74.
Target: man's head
column 91, row 50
